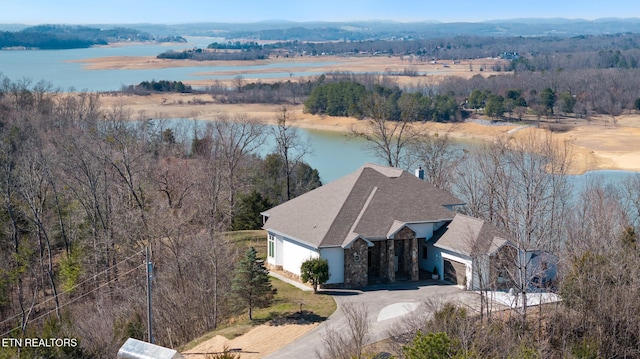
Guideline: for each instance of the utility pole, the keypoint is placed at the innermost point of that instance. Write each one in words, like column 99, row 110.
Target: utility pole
column 149, row 266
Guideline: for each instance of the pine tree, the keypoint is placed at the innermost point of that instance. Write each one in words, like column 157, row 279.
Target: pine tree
column 247, row 216
column 251, row 285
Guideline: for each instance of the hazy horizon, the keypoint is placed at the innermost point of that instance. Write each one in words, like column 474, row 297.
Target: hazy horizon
column 33, row 12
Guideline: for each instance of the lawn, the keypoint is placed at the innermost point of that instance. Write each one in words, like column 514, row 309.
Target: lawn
column 289, row 300
column 290, row 304
column 250, row 238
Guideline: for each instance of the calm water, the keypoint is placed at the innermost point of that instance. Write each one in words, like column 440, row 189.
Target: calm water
column 334, row 154
column 55, row 67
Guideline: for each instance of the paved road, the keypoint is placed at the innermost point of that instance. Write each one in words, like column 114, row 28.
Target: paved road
column 388, row 306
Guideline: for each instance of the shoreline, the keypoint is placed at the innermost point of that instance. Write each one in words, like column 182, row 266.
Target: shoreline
column 596, row 145
column 302, row 67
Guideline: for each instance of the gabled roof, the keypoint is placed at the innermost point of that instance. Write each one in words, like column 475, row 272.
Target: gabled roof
column 469, row 236
column 365, row 203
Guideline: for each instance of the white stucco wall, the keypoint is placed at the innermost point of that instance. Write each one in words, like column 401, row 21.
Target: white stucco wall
column 293, row 254
column 423, row 230
column 335, row 257
column 433, row 257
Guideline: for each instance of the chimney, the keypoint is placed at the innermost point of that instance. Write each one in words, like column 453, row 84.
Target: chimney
column 420, row 172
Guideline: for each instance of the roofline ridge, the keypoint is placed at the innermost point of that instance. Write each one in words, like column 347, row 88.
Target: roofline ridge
column 359, row 173
column 363, row 209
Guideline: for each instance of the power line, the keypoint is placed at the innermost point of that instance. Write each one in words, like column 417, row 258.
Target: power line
column 77, row 285
column 79, row 297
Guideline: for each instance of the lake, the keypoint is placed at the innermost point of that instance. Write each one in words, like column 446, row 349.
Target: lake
column 55, row 66
column 335, row 154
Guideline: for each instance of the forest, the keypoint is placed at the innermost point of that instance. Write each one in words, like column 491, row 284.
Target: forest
column 147, row 87
column 85, row 190
column 213, row 55
column 543, row 53
column 57, row 37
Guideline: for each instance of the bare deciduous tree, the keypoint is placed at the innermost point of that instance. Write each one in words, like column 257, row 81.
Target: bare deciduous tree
column 350, row 342
column 290, row 145
column 235, row 140
column 439, row 157
column 389, row 140
column 520, row 185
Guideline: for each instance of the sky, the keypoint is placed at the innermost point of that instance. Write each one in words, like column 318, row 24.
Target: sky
column 34, row 12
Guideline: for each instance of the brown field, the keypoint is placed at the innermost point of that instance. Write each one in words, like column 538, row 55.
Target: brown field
column 372, row 64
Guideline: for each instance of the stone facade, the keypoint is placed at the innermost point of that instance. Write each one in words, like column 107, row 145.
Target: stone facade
column 415, row 268
column 384, row 265
column 356, row 264
column 405, row 233
column 410, row 252
column 283, row 272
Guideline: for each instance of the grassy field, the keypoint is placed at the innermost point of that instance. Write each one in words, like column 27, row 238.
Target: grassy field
column 250, row 238
column 290, row 304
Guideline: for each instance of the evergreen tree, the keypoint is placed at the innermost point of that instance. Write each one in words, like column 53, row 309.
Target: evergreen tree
column 272, row 183
column 247, row 215
column 316, row 271
column 432, row 345
column 477, row 99
column 251, row 286
column 495, row 106
column 548, row 99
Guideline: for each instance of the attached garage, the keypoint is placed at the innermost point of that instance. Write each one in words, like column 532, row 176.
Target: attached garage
column 455, row 272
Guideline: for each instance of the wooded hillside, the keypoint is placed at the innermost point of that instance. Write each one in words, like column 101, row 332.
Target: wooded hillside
column 85, row 190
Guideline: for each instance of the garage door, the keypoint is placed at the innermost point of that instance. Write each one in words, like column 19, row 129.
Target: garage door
column 455, row 272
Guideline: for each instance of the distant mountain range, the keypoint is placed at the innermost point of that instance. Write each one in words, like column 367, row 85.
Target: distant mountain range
column 352, row 31
column 374, row 30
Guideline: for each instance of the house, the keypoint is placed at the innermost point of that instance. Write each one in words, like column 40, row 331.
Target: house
column 383, row 224
column 511, row 56
column 473, row 253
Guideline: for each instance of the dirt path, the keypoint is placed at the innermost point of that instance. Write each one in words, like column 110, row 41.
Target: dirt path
column 256, row 343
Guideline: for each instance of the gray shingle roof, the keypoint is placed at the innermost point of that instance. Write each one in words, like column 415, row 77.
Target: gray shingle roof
column 468, row 235
column 366, row 202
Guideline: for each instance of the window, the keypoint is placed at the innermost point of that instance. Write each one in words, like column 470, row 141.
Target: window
column 272, row 246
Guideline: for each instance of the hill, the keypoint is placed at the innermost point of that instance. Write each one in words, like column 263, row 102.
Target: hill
column 50, row 37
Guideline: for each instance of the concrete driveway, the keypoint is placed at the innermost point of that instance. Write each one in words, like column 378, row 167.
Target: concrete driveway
column 388, row 306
